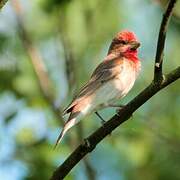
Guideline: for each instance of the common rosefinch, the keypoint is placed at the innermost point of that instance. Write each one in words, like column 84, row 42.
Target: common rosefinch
column 111, row 80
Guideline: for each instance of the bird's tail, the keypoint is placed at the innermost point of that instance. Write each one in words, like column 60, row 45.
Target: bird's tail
column 67, row 126
column 76, row 113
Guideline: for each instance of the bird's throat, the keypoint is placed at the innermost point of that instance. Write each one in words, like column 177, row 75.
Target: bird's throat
column 131, row 55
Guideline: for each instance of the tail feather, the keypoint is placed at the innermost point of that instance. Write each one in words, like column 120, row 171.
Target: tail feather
column 69, row 108
column 77, row 111
column 66, row 127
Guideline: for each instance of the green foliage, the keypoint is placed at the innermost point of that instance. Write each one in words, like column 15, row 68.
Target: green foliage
column 145, row 147
column 3, row 40
column 49, row 6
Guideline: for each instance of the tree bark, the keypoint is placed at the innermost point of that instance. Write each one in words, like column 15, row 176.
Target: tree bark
column 160, row 81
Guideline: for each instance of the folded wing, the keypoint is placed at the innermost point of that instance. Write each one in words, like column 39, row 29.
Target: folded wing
column 105, row 71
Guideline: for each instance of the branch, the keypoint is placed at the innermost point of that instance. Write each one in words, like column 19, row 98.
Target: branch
column 175, row 15
column 158, row 75
column 42, row 75
column 2, row 3
column 71, row 74
column 125, row 113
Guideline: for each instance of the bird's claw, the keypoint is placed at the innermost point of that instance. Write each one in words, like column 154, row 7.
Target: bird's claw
column 117, row 112
column 118, row 109
column 101, row 118
column 103, row 122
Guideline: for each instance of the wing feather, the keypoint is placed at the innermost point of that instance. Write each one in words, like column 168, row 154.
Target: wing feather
column 104, row 72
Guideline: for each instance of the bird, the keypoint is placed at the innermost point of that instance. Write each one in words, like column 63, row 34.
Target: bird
column 111, row 80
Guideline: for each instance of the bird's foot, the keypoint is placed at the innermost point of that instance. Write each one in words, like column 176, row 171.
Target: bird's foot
column 118, row 106
column 118, row 112
column 101, row 118
column 118, row 109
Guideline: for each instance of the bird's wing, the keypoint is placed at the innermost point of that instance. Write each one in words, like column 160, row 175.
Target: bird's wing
column 105, row 71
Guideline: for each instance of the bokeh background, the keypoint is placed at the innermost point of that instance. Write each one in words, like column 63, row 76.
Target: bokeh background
column 48, row 49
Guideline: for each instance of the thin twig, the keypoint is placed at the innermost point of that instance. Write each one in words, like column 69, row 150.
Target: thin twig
column 72, row 82
column 158, row 74
column 125, row 113
column 2, row 3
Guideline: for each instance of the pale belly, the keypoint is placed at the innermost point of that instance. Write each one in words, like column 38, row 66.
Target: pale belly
column 114, row 89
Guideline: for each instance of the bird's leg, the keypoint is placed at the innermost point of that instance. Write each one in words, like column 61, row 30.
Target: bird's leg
column 101, row 118
column 118, row 106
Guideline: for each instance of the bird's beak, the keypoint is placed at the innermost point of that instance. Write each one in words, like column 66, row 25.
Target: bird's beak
column 134, row 45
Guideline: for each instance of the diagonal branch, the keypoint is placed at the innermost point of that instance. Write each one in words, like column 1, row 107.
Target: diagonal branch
column 158, row 74
column 125, row 113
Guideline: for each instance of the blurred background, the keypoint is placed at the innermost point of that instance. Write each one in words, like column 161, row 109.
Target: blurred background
column 48, row 49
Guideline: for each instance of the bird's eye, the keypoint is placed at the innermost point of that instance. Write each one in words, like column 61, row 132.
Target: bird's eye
column 123, row 42
column 117, row 41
